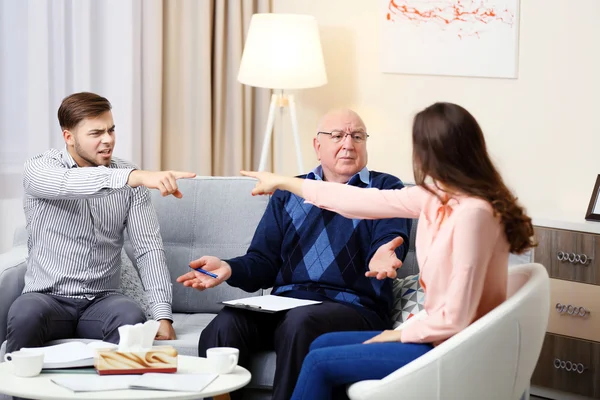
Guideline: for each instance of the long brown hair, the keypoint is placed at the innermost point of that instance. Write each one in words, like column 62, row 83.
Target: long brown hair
column 449, row 147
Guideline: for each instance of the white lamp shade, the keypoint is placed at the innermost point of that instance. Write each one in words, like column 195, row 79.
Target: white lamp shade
column 283, row 51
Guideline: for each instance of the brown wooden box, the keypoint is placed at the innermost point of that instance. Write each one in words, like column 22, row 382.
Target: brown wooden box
column 158, row 359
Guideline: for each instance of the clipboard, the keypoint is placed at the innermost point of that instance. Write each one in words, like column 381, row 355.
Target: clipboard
column 250, row 307
column 269, row 303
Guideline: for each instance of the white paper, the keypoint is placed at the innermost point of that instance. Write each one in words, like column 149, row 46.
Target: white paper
column 95, row 383
column 174, row 382
column 149, row 381
column 271, row 302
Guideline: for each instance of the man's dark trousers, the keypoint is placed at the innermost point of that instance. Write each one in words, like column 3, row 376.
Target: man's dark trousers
column 37, row 318
column 289, row 333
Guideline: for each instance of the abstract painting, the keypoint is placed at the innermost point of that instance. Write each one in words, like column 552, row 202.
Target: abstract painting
column 476, row 38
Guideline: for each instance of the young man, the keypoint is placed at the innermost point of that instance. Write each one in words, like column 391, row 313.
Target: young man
column 308, row 253
column 78, row 202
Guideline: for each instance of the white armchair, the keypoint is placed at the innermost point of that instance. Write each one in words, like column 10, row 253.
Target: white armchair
column 493, row 358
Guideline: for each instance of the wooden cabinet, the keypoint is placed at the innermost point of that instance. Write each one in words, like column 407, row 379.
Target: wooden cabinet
column 569, row 365
column 568, row 255
column 570, row 358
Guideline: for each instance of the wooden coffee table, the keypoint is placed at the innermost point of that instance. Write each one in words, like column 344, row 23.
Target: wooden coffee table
column 40, row 387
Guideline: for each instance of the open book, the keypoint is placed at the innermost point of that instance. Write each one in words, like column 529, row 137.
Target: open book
column 71, row 354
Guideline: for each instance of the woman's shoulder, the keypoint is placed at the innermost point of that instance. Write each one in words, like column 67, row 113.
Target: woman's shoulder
column 475, row 203
column 476, row 209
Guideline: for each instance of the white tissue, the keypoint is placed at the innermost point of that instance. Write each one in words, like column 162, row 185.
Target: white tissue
column 138, row 337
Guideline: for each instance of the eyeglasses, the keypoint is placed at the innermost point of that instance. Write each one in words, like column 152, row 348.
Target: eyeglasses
column 337, row 136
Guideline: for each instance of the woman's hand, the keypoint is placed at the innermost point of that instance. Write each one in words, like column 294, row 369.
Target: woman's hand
column 268, row 182
column 386, row 336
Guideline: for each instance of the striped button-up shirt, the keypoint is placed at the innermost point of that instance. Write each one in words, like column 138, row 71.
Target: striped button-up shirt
column 76, row 219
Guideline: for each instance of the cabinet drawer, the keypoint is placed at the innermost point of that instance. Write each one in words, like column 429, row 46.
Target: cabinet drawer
column 568, row 255
column 574, row 310
column 570, row 365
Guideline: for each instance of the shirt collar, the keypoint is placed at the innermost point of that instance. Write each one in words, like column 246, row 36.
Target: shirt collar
column 68, row 159
column 362, row 175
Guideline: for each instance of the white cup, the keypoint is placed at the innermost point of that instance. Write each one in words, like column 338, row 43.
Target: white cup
column 25, row 363
column 223, row 360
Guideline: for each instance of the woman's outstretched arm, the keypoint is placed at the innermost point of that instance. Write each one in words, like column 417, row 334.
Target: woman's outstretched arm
column 349, row 201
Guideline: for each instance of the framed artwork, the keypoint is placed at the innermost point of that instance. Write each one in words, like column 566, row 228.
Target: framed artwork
column 593, row 211
column 477, row 38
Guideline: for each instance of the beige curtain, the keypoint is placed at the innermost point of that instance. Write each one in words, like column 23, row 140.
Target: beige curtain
column 211, row 124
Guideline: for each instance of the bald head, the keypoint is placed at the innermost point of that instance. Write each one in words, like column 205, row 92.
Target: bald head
column 339, row 119
column 340, row 158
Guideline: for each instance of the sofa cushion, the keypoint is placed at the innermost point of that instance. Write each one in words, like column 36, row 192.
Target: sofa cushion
column 410, row 265
column 216, row 216
column 188, row 328
column 131, row 284
column 408, row 299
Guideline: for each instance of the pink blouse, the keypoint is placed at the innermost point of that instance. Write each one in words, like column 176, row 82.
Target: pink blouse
column 460, row 246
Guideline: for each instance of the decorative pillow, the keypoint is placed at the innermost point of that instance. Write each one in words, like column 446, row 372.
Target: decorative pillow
column 131, row 284
column 408, row 299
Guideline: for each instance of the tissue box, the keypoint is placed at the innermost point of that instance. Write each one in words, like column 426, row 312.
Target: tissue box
column 157, row 359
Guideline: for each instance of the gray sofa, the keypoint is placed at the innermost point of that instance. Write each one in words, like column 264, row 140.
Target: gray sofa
column 217, row 216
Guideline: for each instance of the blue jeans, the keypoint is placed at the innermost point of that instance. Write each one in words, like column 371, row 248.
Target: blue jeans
column 338, row 358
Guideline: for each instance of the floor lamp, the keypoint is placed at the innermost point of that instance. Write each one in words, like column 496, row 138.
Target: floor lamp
column 282, row 52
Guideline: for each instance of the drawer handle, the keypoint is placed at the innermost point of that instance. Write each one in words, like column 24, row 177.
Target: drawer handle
column 569, row 366
column 583, row 312
column 572, row 310
column 573, row 258
column 583, row 259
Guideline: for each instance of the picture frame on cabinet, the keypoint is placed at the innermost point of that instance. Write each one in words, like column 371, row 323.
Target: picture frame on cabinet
column 593, row 211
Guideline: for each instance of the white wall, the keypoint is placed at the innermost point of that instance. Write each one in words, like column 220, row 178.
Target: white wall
column 542, row 128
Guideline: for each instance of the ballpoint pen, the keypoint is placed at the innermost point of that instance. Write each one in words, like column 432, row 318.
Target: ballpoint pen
column 250, row 306
column 204, row 272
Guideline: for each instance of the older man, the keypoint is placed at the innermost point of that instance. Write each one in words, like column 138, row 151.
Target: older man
column 308, row 253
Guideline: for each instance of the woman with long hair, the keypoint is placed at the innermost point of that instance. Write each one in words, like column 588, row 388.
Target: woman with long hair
column 469, row 222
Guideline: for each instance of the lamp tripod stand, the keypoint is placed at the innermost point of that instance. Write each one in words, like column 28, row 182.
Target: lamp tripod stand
column 280, row 100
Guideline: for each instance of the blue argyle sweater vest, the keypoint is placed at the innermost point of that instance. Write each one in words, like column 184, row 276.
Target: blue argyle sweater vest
column 298, row 247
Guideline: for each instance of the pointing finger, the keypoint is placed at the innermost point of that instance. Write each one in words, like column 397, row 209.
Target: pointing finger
column 251, row 174
column 183, row 175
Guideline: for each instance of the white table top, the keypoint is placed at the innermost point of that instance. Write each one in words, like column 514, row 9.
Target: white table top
column 40, row 387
